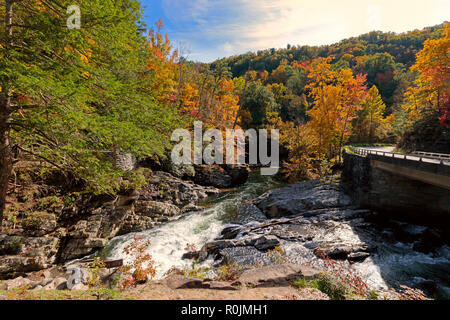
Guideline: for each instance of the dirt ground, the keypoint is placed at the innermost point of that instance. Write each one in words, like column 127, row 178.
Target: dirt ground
column 159, row 291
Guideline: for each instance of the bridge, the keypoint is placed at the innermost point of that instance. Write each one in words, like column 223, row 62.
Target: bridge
column 414, row 185
column 431, row 168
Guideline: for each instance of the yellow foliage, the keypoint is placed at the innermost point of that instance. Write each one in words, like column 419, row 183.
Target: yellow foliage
column 432, row 87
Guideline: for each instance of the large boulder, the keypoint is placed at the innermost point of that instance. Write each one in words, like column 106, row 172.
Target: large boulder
column 80, row 247
column 163, row 187
column 212, row 175
column 239, row 174
column 182, row 171
column 165, row 164
column 148, row 214
column 26, row 254
column 93, row 232
column 260, row 242
column 300, row 198
column 155, row 209
column 225, row 176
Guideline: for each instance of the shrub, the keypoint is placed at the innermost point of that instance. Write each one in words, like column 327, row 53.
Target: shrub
column 228, row 272
column 332, row 287
column 94, row 272
column 344, row 273
column 141, row 267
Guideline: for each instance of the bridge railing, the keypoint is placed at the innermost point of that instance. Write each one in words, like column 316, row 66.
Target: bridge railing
column 432, row 155
column 443, row 160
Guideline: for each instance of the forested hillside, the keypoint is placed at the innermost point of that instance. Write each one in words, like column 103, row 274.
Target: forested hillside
column 384, row 57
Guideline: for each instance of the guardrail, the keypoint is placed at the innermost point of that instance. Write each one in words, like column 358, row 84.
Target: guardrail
column 366, row 152
column 432, row 155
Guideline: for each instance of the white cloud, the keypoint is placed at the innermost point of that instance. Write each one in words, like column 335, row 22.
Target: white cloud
column 227, row 48
column 236, row 26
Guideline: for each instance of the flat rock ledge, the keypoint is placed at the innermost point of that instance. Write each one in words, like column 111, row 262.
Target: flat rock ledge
column 275, row 275
column 270, row 276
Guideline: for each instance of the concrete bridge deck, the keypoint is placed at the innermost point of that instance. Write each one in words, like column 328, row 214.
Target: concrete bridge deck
column 425, row 167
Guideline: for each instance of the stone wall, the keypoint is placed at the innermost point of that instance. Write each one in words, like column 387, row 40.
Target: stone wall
column 393, row 194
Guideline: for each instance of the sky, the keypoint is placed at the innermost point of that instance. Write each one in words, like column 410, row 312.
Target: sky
column 207, row 30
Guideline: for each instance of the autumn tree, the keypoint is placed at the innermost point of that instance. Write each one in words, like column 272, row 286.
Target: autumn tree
column 71, row 97
column 163, row 66
column 432, row 88
column 370, row 122
column 337, row 95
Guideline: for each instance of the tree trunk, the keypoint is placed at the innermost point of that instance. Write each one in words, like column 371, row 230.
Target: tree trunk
column 5, row 114
column 5, row 161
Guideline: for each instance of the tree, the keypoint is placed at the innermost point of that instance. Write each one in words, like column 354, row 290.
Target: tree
column 337, row 95
column 163, row 66
column 369, row 121
column 69, row 95
column 432, row 88
column 259, row 102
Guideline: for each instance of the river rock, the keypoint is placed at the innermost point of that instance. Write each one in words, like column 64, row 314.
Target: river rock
column 164, row 187
column 158, row 163
column 261, row 243
column 182, row 171
column 266, row 242
column 230, row 231
column 192, row 208
column 212, row 175
column 15, row 283
column 352, row 253
column 301, row 197
column 155, row 209
column 79, row 247
column 245, row 257
column 225, row 176
column 358, row 256
column 239, row 174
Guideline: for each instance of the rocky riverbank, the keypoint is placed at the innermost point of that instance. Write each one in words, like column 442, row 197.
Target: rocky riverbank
column 304, row 225
column 309, row 223
column 53, row 232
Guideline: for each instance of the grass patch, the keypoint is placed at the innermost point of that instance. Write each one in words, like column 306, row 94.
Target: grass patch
column 333, row 288
column 22, row 293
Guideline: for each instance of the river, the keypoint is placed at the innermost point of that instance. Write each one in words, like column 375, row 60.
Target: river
column 394, row 263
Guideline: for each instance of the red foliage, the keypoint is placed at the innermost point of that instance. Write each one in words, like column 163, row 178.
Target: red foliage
column 141, row 267
column 346, row 273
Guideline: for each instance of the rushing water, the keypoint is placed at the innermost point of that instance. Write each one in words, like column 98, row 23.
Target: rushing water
column 394, row 263
column 169, row 241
